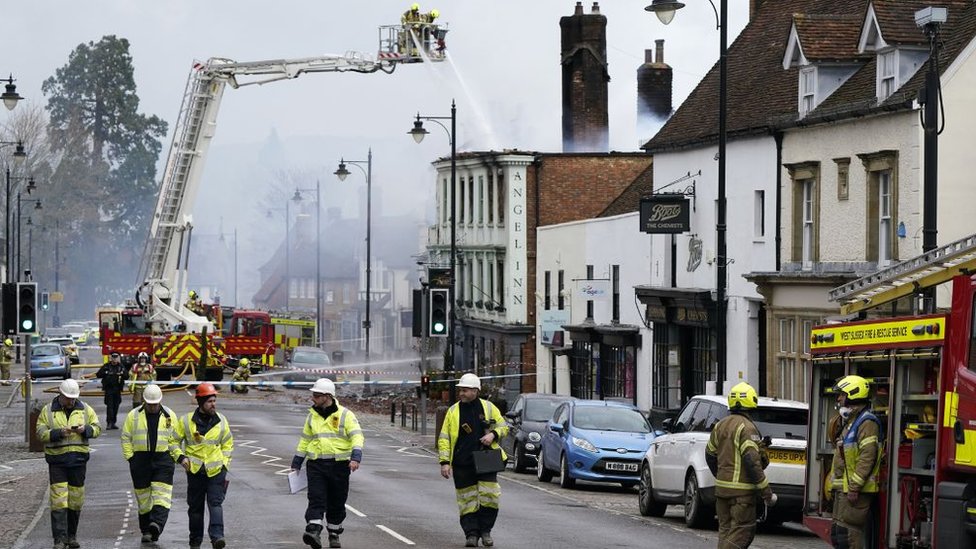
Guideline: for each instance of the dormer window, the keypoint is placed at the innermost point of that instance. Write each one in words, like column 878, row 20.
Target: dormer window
column 808, row 89
column 887, row 74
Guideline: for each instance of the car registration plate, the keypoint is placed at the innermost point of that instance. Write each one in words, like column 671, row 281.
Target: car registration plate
column 618, row 466
column 792, row 457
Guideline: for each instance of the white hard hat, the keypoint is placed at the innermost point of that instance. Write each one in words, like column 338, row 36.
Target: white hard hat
column 153, row 394
column 324, row 386
column 69, row 388
column 471, row 381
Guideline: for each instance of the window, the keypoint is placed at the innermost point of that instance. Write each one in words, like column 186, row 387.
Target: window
column 615, row 280
column 589, row 302
column 806, row 213
column 292, row 288
column 560, row 287
column 885, row 225
column 471, row 199
column 806, row 188
column 491, row 282
column 881, row 209
column 683, row 421
column 887, row 74
column 759, row 224
column 699, row 418
column 460, row 203
column 330, row 296
column 445, row 205
column 501, row 199
column 501, row 284
column 792, row 359
column 548, row 290
column 808, row 88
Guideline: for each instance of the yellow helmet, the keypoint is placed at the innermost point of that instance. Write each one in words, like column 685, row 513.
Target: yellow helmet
column 192, row 294
column 244, row 362
column 434, row 14
column 855, row 387
column 743, row 396
column 415, row 7
column 8, row 342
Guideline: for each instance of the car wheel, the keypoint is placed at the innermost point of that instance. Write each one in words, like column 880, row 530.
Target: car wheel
column 519, row 465
column 649, row 507
column 541, row 473
column 565, row 480
column 696, row 512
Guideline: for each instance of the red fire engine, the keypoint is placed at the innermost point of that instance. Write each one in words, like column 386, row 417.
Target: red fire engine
column 922, row 370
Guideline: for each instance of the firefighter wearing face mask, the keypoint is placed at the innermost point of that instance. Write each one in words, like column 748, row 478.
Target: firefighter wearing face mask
column 856, row 465
column 734, row 456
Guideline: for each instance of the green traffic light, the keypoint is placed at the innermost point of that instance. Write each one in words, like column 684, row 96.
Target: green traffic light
column 438, row 327
column 27, row 325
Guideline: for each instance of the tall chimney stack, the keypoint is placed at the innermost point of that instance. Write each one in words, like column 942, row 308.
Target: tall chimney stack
column 654, row 86
column 585, row 77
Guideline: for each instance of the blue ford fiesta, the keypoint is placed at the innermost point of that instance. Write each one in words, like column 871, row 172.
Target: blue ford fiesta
column 594, row 440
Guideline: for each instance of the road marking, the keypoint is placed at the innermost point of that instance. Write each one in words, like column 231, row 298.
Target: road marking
column 259, row 452
column 125, row 519
column 394, row 534
column 406, row 451
column 355, row 512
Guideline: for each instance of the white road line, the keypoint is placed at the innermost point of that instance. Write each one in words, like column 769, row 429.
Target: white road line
column 394, row 534
column 354, row 511
column 408, row 451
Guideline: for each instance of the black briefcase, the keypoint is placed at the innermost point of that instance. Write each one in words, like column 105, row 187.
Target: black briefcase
column 488, row 461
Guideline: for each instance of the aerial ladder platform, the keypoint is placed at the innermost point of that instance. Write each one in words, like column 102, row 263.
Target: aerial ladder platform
column 907, row 277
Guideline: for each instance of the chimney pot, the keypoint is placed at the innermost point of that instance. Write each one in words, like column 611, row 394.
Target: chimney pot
column 579, row 9
column 648, row 56
column 659, row 45
column 596, row 7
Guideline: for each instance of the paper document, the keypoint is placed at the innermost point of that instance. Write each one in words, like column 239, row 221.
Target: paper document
column 297, row 481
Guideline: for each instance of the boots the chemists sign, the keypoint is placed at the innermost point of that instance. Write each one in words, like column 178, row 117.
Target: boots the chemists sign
column 665, row 214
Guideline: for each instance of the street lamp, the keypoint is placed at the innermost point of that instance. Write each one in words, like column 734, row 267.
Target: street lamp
column 342, row 173
column 318, row 257
column 19, row 156
column 664, row 9
column 10, row 97
column 37, row 206
column 418, row 133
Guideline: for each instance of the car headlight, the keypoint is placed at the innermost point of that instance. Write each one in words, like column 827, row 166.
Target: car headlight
column 535, row 437
column 584, row 444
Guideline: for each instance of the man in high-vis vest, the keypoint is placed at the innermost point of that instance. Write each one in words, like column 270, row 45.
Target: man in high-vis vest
column 147, row 444
column 857, row 463
column 733, row 455
column 65, row 426
column 203, row 447
column 332, row 442
column 472, row 424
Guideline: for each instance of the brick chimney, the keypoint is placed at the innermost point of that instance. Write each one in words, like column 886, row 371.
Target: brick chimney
column 754, row 6
column 654, row 85
column 585, row 77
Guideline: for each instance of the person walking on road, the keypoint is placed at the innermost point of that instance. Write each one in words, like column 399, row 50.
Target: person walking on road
column 332, row 442
column 112, row 374
column 857, row 464
column 204, row 445
column 143, row 371
column 147, row 444
column 472, row 424
column 242, row 373
column 65, row 426
column 736, row 459
column 6, row 358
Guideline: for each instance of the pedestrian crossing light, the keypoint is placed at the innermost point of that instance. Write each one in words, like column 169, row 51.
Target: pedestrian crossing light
column 45, row 300
column 439, row 307
column 425, row 384
column 26, row 307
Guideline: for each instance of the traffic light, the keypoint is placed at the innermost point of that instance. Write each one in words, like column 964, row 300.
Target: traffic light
column 425, row 384
column 439, row 313
column 45, row 300
column 9, row 297
column 26, row 307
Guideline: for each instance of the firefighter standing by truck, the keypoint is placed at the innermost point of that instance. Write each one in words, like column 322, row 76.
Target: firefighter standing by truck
column 65, row 425
column 735, row 458
column 857, row 463
column 147, row 446
column 241, row 373
column 142, row 371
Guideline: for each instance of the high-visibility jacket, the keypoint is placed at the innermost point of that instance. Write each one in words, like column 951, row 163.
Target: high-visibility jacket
column 135, row 432
column 211, row 451
column 449, row 430
column 734, row 457
column 337, row 437
column 72, row 449
column 862, row 453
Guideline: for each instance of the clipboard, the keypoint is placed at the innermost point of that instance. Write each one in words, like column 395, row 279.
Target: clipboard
column 297, row 481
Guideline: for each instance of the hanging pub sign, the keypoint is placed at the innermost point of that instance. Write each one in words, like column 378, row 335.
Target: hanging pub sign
column 665, row 214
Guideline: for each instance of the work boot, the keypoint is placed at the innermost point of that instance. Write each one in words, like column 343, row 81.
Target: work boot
column 154, row 531
column 471, row 541
column 486, row 539
column 312, row 536
column 71, row 542
column 58, row 544
column 219, row 543
column 147, row 538
column 334, row 540
column 195, row 544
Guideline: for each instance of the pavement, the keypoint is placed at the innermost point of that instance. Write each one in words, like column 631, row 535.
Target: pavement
column 23, row 474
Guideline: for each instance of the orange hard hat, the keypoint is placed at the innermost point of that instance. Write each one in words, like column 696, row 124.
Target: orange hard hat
column 205, row 390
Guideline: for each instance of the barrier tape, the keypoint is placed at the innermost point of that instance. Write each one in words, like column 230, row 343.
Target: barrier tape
column 262, row 383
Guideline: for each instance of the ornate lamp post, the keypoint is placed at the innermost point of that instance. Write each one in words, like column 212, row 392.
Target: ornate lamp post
column 342, row 173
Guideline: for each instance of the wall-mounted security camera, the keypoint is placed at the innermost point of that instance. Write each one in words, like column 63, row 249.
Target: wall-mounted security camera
column 930, row 16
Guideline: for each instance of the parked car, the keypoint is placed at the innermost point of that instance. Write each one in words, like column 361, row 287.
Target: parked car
column 304, row 360
column 673, row 471
column 78, row 332
column 70, row 347
column 527, row 421
column 49, row 360
column 594, row 440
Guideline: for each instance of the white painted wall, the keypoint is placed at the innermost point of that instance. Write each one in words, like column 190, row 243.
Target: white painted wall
column 957, row 191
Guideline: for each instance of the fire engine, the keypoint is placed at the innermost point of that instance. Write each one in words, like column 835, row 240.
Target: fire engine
column 157, row 322
column 922, row 371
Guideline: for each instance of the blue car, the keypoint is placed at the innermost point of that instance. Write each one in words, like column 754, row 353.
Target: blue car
column 594, row 440
column 49, row 359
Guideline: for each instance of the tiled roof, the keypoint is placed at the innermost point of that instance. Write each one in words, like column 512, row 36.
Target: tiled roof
column 896, row 18
column 629, row 199
column 828, row 37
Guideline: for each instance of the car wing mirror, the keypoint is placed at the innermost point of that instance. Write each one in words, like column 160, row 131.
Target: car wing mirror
column 668, row 425
column 512, row 415
column 556, row 427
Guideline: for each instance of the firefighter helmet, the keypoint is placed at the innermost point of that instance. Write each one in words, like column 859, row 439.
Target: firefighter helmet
column 8, row 342
column 855, row 387
column 743, row 396
column 415, row 7
column 243, row 362
column 69, row 388
column 434, row 14
column 206, row 390
column 470, row 381
column 143, row 355
column 323, row 386
column 153, row 394
column 193, row 294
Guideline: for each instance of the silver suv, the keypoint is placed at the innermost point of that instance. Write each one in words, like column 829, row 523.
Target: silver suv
column 674, row 471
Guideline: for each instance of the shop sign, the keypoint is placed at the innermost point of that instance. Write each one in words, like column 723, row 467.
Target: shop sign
column 665, row 214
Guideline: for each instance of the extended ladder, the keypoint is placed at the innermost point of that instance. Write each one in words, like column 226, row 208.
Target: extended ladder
column 902, row 279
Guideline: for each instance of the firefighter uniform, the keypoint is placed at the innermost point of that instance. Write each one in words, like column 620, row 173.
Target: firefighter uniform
column 859, row 457
column 204, row 445
column 6, row 358
column 242, row 373
column 734, row 456
column 465, row 423
column 65, row 426
column 148, row 446
column 144, row 371
column 332, row 442
column 112, row 374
